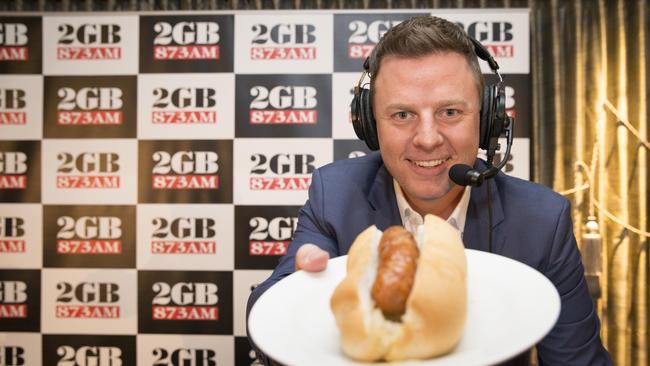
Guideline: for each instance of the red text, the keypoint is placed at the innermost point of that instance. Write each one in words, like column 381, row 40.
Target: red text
column 12, row 246
column 89, row 246
column 185, row 313
column 186, row 52
column 279, row 184
column 89, row 118
column 184, row 117
column 89, row 53
column 267, row 247
column 88, row 311
column 13, row 118
column 185, row 181
column 283, row 53
column 87, row 181
column 283, row 116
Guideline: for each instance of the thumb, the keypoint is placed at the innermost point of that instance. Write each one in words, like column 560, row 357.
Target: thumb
column 311, row 258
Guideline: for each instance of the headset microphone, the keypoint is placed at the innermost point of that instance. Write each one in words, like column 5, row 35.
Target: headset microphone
column 465, row 175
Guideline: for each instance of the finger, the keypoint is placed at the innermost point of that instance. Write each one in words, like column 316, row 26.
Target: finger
column 317, row 261
column 311, row 258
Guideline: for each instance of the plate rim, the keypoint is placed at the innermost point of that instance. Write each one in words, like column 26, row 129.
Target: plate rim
column 555, row 307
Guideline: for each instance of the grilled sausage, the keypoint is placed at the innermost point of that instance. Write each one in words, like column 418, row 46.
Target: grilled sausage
column 398, row 256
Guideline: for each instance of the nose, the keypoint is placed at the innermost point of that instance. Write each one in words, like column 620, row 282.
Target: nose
column 427, row 134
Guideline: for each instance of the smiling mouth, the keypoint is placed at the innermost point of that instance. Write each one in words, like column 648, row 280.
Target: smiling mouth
column 429, row 163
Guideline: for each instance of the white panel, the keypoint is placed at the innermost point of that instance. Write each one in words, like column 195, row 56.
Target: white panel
column 185, row 237
column 342, row 93
column 108, row 303
column 191, row 106
column 505, row 33
column 243, row 281
column 21, row 107
column 186, row 349
column 90, row 45
column 89, row 163
column 289, row 43
column 24, row 349
column 21, row 236
column 277, row 171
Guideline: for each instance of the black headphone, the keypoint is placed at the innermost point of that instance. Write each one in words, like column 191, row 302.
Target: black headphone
column 493, row 117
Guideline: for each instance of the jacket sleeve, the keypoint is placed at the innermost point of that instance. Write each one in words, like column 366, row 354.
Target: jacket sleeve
column 312, row 228
column 575, row 338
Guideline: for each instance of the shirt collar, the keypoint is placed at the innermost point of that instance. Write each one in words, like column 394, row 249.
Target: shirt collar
column 411, row 219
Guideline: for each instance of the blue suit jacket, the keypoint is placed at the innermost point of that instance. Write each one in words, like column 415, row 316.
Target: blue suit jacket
column 530, row 223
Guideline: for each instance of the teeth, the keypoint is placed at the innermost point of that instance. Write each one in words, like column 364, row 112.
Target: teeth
column 429, row 163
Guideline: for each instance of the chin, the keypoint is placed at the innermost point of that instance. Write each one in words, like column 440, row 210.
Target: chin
column 431, row 195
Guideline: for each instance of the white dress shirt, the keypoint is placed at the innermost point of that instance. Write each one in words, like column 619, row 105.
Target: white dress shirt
column 411, row 219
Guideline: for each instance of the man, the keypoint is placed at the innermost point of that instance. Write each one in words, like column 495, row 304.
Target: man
column 426, row 91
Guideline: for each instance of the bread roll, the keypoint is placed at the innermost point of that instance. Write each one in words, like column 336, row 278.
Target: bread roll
column 436, row 308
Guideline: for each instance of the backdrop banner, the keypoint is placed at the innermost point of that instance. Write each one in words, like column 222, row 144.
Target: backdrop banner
column 152, row 166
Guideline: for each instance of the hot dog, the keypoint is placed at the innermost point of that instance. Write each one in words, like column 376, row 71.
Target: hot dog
column 402, row 297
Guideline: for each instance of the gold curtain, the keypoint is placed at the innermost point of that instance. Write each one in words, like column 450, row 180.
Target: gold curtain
column 589, row 67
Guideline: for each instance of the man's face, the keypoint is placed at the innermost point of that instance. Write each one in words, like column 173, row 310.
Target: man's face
column 427, row 111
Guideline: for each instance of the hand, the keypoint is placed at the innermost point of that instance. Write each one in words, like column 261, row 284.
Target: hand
column 311, row 258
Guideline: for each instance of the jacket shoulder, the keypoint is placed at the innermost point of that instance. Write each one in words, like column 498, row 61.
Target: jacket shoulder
column 529, row 199
column 355, row 171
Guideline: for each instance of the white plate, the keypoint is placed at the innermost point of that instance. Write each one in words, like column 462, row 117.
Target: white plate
column 511, row 307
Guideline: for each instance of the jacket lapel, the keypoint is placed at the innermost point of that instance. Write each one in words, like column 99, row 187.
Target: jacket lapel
column 476, row 230
column 385, row 212
column 382, row 201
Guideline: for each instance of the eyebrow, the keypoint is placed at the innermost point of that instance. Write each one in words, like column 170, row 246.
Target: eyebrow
column 447, row 102
column 454, row 102
column 398, row 106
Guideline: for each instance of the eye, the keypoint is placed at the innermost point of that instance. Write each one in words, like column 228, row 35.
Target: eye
column 401, row 115
column 450, row 112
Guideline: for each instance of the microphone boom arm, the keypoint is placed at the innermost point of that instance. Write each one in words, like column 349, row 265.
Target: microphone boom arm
column 493, row 170
column 464, row 175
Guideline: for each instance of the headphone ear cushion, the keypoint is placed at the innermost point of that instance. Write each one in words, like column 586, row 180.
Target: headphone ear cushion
column 369, row 126
column 355, row 116
column 487, row 116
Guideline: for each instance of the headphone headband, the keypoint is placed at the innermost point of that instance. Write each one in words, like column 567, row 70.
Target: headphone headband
column 480, row 51
column 484, row 55
column 492, row 116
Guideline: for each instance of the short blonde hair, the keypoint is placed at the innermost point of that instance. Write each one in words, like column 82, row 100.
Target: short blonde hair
column 420, row 36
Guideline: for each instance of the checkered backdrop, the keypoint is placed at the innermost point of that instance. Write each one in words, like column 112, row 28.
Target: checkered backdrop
column 152, row 166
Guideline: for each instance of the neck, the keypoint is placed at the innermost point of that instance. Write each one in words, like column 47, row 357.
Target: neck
column 442, row 207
